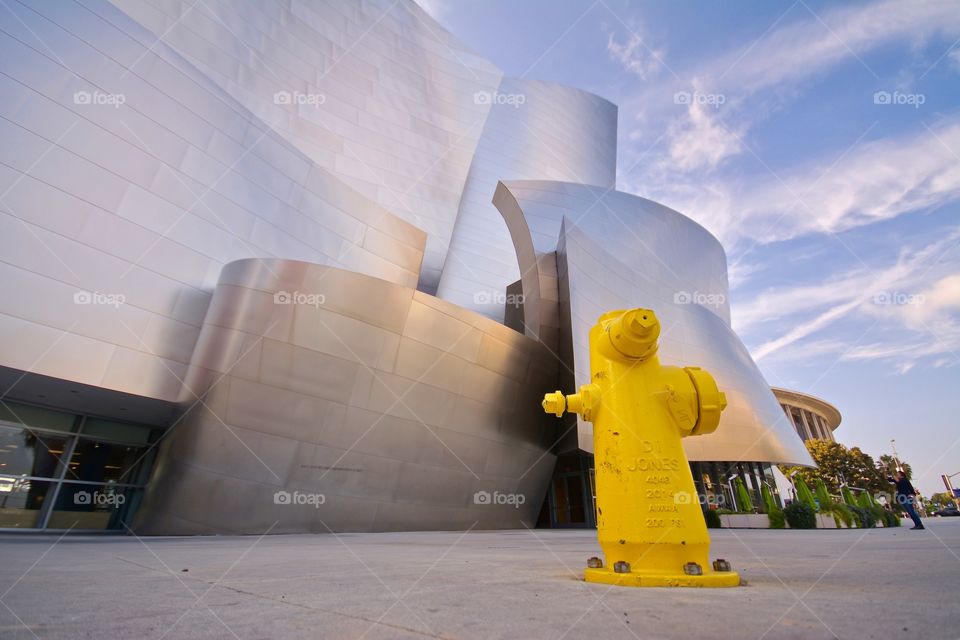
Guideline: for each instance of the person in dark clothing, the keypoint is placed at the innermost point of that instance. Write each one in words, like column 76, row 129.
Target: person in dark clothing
column 905, row 497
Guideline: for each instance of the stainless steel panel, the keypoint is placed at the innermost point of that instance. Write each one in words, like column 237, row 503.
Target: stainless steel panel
column 425, row 429
column 632, row 252
column 203, row 196
column 151, row 195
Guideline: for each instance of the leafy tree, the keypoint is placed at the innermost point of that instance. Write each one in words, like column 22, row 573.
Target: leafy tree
column 887, row 465
column 837, row 465
column 940, row 500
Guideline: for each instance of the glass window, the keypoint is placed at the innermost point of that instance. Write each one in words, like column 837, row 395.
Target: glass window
column 30, row 453
column 37, row 417
column 85, row 506
column 21, row 501
column 116, row 431
column 85, row 492
column 95, row 461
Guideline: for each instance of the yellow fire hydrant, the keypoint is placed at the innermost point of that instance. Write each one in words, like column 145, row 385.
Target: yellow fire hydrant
column 649, row 519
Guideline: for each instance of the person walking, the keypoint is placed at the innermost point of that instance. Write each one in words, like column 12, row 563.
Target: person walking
column 906, row 497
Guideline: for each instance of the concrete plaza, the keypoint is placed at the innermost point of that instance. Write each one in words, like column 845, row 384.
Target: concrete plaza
column 878, row 583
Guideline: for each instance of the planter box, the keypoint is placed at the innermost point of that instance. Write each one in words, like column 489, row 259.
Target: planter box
column 745, row 521
column 826, row 521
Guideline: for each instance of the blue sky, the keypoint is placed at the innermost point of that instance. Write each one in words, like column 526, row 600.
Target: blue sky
column 821, row 143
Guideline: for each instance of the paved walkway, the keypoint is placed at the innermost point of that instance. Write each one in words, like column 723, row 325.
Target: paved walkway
column 881, row 583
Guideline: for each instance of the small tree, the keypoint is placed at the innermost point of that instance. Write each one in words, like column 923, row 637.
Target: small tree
column 822, row 495
column 848, row 497
column 774, row 513
column 940, row 500
column 803, row 493
column 743, row 497
column 767, row 499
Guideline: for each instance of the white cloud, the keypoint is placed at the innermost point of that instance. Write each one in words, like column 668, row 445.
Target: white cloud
column 918, row 320
column 698, row 142
column 877, row 181
column 874, row 181
column 954, row 58
column 635, row 56
column 823, row 39
column 740, row 272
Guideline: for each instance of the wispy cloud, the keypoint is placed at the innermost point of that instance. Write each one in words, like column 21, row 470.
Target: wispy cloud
column 823, row 39
column 870, row 182
column 635, row 56
column 877, row 181
column 698, row 142
column 918, row 320
column 954, row 59
column 881, row 178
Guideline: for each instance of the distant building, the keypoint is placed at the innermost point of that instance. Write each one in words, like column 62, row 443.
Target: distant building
column 811, row 417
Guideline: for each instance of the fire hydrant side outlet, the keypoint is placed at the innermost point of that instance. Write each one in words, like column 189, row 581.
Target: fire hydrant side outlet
column 649, row 520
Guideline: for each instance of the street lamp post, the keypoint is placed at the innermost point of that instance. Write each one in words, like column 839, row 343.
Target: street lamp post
column 896, row 456
column 733, row 496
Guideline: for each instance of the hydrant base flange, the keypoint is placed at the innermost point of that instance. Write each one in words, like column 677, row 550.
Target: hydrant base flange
column 639, row 579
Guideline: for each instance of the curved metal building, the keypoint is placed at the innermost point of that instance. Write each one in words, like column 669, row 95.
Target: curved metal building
column 259, row 250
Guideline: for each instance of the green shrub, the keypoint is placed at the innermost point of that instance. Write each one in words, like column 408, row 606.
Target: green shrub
column 822, row 495
column 804, row 495
column 712, row 518
column 774, row 513
column 843, row 513
column 864, row 517
column 848, row 497
column 769, row 504
column 744, row 503
column 776, row 518
column 867, row 502
column 800, row 515
column 890, row 519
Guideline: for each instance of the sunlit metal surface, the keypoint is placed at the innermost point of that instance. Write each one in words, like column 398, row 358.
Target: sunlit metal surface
column 117, row 218
column 618, row 251
column 395, row 406
column 375, row 92
column 535, row 130
column 353, row 146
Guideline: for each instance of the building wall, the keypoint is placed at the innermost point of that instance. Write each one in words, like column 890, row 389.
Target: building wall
column 535, row 130
column 809, row 425
column 394, row 405
column 811, row 417
column 386, row 95
column 175, row 174
column 632, row 252
column 146, row 199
